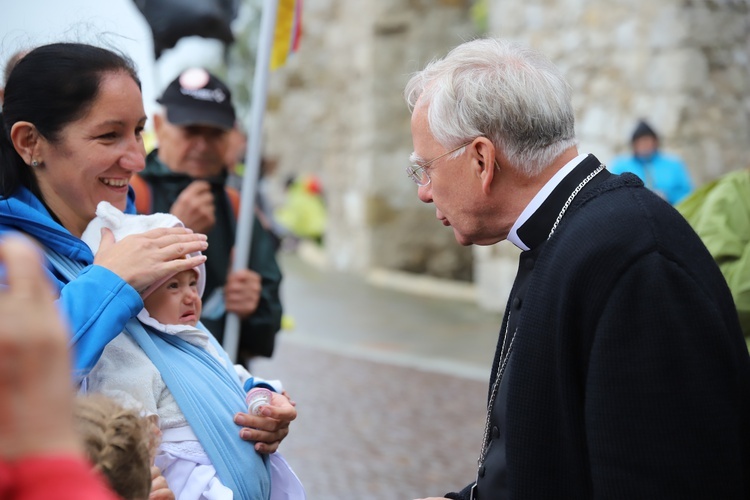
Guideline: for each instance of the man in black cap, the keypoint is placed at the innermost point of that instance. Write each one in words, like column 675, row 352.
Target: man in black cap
column 664, row 174
column 186, row 176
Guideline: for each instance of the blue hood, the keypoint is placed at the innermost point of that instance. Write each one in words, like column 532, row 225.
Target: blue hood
column 24, row 212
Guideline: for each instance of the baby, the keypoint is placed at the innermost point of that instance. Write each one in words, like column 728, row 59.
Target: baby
column 173, row 307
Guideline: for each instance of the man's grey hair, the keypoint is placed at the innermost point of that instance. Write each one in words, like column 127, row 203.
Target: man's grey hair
column 501, row 90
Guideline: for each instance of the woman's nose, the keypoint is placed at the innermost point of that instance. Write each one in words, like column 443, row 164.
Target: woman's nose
column 135, row 157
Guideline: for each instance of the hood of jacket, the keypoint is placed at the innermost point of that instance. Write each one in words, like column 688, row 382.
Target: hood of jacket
column 24, row 212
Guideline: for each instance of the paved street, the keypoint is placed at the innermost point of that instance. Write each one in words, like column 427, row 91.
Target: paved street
column 390, row 387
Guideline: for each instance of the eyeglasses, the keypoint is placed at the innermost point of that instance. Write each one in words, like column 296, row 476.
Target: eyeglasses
column 418, row 173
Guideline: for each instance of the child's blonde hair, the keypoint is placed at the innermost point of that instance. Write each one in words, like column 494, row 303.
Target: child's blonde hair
column 118, row 442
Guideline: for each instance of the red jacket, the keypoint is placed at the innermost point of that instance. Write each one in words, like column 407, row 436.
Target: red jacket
column 47, row 477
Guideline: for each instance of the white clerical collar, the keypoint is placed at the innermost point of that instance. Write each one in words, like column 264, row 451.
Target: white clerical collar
column 539, row 198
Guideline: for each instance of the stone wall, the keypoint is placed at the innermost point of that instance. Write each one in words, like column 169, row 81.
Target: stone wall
column 682, row 64
column 337, row 110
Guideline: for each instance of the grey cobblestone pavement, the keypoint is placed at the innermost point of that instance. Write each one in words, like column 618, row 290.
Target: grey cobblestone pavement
column 390, row 387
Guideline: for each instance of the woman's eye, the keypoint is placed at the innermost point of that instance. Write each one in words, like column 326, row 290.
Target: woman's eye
column 108, row 135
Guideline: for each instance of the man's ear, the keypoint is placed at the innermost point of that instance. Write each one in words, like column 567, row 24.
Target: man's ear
column 483, row 161
column 158, row 122
column 27, row 141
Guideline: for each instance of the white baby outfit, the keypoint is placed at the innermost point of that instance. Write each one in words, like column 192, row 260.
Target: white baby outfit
column 126, row 373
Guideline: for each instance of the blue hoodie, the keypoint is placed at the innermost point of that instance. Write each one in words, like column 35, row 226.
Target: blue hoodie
column 664, row 174
column 98, row 303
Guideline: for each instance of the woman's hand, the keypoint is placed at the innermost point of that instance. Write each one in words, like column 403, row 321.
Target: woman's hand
column 269, row 428
column 143, row 259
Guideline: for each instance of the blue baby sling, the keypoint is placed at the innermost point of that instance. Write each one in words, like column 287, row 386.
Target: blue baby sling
column 207, row 392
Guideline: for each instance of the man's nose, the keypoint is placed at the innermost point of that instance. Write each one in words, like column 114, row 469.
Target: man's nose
column 200, row 142
column 424, row 193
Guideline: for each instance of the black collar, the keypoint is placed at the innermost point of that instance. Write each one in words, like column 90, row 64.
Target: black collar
column 536, row 229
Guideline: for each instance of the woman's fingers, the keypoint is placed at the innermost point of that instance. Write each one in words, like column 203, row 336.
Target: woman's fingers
column 142, row 259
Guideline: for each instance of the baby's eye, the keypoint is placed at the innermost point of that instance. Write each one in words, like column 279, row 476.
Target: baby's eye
column 172, row 286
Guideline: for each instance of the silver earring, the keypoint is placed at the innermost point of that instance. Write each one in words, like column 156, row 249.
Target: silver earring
column 34, row 163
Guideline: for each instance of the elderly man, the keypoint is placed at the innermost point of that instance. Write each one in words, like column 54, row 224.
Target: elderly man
column 186, row 176
column 620, row 370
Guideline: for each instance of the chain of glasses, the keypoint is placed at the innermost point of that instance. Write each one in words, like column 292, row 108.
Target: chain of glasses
column 573, row 195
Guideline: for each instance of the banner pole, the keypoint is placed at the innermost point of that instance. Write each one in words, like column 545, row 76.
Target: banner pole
column 254, row 129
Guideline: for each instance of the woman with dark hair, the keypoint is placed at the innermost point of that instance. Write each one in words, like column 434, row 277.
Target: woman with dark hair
column 71, row 138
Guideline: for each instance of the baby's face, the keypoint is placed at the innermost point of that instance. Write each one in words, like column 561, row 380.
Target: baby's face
column 176, row 301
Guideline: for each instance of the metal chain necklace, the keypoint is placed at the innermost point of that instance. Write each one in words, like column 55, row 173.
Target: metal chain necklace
column 573, row 195
column 505, row 354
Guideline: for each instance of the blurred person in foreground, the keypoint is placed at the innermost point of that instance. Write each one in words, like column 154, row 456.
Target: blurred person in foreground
column 620, row 369
column 719, row 211
column 666, row 175
column 41, row 456
column 187, row 176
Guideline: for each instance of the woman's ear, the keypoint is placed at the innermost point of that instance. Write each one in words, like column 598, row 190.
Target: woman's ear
column 26, row 140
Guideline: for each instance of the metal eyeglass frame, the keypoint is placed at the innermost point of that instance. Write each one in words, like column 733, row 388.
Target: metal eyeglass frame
column 418, row 173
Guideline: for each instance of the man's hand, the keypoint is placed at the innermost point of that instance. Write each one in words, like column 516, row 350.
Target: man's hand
column 36, row 391
column 195, row 207
column 242, row 292
column 269, row 428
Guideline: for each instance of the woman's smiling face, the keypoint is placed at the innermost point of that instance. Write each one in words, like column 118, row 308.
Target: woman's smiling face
column 96, row 155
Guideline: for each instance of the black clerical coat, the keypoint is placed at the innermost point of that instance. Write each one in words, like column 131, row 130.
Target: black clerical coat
column 629, row 376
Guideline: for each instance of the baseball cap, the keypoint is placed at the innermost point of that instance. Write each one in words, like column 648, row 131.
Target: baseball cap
column 196, row 97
